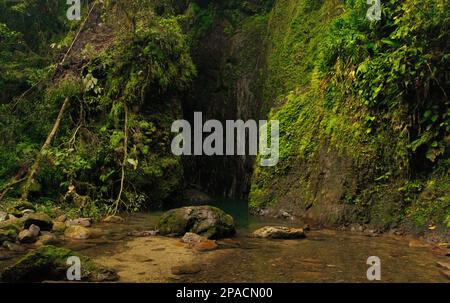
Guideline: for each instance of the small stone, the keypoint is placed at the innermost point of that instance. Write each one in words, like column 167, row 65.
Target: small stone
column 61, row 219
column 187, row 269
column 114, row 219
column 198, row 242
column 59, row 227
column 279, row 232
column 85, row 222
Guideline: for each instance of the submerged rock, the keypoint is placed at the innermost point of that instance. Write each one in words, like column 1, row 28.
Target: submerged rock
column 279, row 232
column 42, row 220
column 145, row 233
column 186, row 269
column 207, row 221
column 198, row 242
column 50, row 263
column 418, row 244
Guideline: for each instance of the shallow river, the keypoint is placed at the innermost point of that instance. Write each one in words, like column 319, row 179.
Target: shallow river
column 324, row 256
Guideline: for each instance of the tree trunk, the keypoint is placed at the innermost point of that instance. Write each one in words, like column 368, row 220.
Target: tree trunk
column 35, row 168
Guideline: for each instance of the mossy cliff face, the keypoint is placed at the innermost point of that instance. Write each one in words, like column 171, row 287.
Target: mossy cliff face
column 352, row 146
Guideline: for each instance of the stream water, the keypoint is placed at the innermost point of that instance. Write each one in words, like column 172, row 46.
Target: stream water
column 324, row 256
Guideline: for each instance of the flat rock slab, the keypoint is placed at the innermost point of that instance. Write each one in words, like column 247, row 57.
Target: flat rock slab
column 279, row 232
column 186, row 269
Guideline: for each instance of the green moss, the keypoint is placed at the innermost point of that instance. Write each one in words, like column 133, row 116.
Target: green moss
column 50, row 263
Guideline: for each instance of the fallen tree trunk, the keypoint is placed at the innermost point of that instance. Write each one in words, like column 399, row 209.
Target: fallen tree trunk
column 35, row 168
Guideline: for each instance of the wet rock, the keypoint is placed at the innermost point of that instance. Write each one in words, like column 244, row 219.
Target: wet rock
column 48, row 263
column 114, row 219
column 78, row 232
column 198, row 242
column 279, row 232
column 59, row 227
column 7, row 235
column 444, row 265
column 61, row 219
column 47, row 238
column 13, row 246
column 3, row 216
column 418, row 244
column 207, row 221
column 42, row 220
column 85, row 222
column 186, row 269
column 29, row 235
column 147, row 233
column 228, row 243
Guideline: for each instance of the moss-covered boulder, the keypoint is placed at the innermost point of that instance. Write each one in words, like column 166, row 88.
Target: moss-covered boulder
column 207, row 221
column 50, row 263
column 42, row 220
column 13, row 224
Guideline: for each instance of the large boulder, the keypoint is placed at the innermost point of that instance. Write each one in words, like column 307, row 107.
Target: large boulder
column 279, row 232
column 42, row 220
column 207, row 221
column 50, row 263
